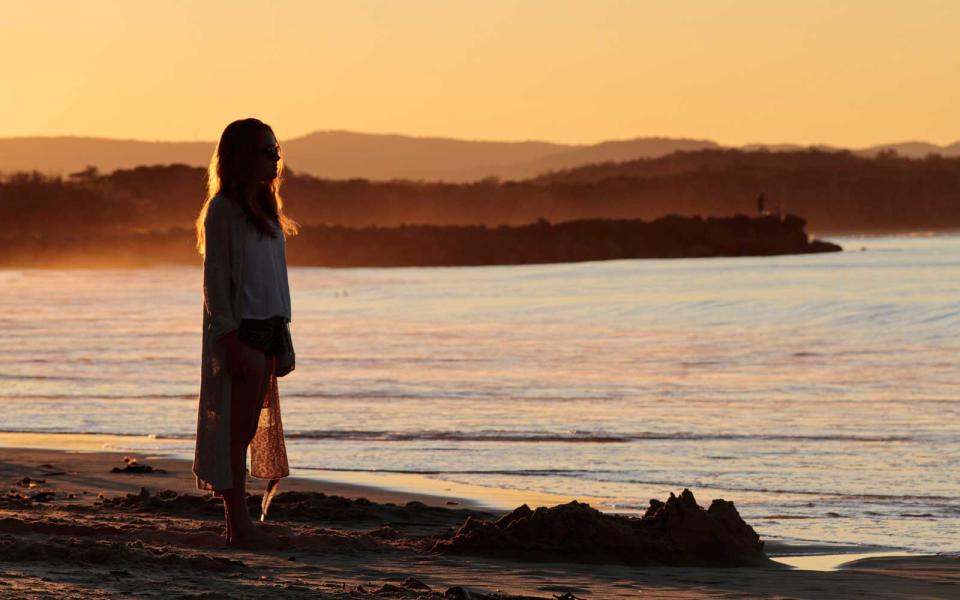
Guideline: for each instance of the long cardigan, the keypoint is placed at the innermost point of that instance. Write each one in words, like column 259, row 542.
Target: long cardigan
column 225, row 234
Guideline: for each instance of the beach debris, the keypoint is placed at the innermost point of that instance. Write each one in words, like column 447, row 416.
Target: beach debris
column 412, row 583
column 677, row 532
column 126, row 501
column 131, row 466
column 458, row 592
column 395, row 591
column 386, row 533
column 21, row 498
column 31, row 483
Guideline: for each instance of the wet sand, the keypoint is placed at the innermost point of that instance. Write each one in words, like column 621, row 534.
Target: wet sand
column 165, row 540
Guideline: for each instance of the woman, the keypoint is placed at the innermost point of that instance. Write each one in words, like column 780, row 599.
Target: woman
column 246, row 308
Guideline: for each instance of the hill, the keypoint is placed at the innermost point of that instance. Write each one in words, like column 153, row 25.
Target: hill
column 378, row 157
column 833, row 191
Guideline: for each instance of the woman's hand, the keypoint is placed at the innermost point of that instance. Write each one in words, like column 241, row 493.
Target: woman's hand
column 236, row 365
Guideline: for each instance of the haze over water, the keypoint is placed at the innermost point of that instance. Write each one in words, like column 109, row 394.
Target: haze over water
column 819, row 393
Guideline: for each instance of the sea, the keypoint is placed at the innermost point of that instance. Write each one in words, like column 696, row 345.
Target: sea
column 819, row 393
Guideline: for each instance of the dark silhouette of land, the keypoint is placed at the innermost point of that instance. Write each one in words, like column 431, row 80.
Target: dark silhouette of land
column 345, row 155
column 835, row 192
column 67, row 218
column 437, row 245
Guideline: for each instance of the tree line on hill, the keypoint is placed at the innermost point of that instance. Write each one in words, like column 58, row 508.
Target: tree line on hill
column 833, row 191
column 151, row 209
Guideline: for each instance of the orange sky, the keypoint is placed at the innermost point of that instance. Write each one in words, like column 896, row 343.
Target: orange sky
column 843, row 72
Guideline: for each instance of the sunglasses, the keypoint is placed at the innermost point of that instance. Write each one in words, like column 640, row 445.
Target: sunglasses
column 271, row 151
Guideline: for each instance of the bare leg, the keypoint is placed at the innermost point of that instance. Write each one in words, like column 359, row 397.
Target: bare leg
column 246, row 402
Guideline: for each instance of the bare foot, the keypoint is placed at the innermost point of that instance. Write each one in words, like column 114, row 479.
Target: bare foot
column 257, row 537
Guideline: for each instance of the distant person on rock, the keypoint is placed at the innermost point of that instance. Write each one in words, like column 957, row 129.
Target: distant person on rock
column 760, row 204
column 241, row 233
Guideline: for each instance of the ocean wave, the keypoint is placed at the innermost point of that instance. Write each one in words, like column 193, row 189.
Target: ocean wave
column 844, row 496
column 949, row 502
column 575, row 436
column 64, row 430
column 375, row 395
column 521, row 436
column 154, row 396
column 24, row 377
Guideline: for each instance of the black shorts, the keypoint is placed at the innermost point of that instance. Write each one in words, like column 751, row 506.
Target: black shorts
column 267, row 335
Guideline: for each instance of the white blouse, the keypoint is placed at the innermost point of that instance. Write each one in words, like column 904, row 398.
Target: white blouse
column 266, row 292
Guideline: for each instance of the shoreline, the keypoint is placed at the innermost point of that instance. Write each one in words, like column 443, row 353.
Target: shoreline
column 874, row 233
column 387, row 487
column 179, row 476
column 125, row 522
column 399, row 488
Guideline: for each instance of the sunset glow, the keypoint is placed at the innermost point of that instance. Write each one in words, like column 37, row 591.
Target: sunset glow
column 561, row 299
column 854, row 73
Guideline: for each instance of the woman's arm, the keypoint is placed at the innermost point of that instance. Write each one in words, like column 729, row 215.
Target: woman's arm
column 217, row 293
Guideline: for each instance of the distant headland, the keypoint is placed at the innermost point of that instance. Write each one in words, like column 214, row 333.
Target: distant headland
column 451, row 245
column 835, row 192
column 543, row 242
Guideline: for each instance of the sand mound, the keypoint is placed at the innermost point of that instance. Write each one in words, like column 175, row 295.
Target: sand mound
column 168, row 502
column 677, row 532
column 296, row 506
column 314, row 506
column 114, row 553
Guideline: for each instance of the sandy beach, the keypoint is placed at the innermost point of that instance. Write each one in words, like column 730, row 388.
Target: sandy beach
column 70, row 526
column 499, row 301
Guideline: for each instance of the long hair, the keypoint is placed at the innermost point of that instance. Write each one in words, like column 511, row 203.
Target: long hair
column 230, row 172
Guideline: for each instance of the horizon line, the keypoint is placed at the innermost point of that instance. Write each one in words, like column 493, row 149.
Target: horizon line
column 494, row 141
